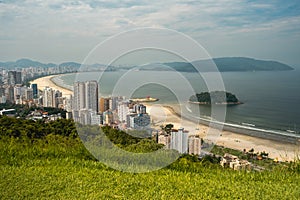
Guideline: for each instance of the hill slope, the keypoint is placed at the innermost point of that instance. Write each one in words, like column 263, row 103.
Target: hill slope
column 60, row 168
column 223, row 64
column 230, row 64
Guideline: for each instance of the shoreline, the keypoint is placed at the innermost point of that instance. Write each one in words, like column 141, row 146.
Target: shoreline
column 250, row 131
column 281, row 149
column 207, row 103
column 60, row 86
column 47, row 81
column 233, row 139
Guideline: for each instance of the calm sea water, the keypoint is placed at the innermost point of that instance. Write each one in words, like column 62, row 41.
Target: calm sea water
column 271, row 99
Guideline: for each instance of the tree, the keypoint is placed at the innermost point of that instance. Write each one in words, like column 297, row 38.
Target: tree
column 168, row 128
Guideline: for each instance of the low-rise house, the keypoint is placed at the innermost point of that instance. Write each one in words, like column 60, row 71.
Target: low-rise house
column 234, row 162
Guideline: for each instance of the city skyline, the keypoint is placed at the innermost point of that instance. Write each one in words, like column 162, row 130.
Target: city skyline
column 59, row 31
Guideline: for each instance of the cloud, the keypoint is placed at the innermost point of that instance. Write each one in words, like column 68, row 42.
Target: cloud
column 84, row 22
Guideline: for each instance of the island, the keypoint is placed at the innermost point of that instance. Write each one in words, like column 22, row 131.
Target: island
column 214, row 97
column 145, row 99
column 229, row 64
column 225, row 64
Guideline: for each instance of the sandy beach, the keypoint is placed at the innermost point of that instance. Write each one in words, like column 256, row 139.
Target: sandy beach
column 283, row 151
column 46, row 81
column 162, row 115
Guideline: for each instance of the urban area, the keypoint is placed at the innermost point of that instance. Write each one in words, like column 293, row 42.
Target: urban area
column 86, row 107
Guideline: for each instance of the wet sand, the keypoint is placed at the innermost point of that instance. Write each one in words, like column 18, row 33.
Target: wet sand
column 46, row 81
column 283, row 151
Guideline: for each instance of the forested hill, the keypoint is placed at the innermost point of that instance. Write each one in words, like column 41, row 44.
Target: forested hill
column 224, row 64
column 230, row 64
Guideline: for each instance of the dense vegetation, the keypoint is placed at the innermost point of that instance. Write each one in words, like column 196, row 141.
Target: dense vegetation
column 23, row 110
column 215, row 97
column 52, row 163
column 228, row 64
column 223, row 65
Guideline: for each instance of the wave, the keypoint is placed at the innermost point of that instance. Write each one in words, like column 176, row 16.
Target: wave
column 245, row 127
column 60, row 82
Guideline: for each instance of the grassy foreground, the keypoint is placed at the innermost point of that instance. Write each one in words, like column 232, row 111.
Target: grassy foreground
column 59, row 167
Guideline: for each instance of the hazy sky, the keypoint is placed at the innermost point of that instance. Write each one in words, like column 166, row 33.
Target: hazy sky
column 61, row 30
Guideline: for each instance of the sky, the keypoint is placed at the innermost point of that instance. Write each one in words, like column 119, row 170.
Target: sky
column 61, row 30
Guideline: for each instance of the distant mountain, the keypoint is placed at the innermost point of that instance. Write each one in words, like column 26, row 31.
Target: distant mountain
column 230, row 64
column 25, row 63
column 223, row 64
column 70, row 64
column 249, row 64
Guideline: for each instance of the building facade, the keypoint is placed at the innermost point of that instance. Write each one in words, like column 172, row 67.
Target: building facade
column 194, row 145
column 179, row 140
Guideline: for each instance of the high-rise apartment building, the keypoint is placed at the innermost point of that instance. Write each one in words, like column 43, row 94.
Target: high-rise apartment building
column 86, row 96
column 113, row 103
column 14, row 78
column 18, row 78
column 139, row 108
column 194, row 145
column 91, row 95
column 18, row 92
column 139, row 121
column 179, row 140
column 123, row 111
column 9, row 93
column 104, row 104
column 28, row 93
column 79, row 96
column 48, row 97
column 34, row 90
column 85, row 102
column 51, row 97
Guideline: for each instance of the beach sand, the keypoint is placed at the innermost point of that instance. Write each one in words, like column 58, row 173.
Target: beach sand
column 162, row 115
column 46, row 81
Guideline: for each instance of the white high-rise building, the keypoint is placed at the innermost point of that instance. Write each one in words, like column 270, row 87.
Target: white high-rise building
column 194, row 145
column 28, row 93
column 123, row 111
column 85, row 102
column 79, row 96
column 91, row 95
column 179, row 140
column 139, row 108
column 86, row 96
column 18, row 92
column 113, row 103
column 9, row 93
column 48, row 97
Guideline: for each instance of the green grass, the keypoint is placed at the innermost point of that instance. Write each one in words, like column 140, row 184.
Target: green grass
column 60, row 168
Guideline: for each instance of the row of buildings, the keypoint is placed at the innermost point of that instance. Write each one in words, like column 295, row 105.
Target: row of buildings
column 18, row 93
column 88, row 108
column 48, row 97
column 13, row 89
column 18, row 75
column 180, row 140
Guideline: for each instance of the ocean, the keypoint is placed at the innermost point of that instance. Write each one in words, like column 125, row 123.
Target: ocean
column 271, row 99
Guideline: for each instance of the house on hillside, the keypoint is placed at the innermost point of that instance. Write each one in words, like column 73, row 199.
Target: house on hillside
column 234, row 162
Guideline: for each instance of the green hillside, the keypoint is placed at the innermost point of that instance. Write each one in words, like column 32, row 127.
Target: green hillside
column 227, row 64
column 53, row 166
